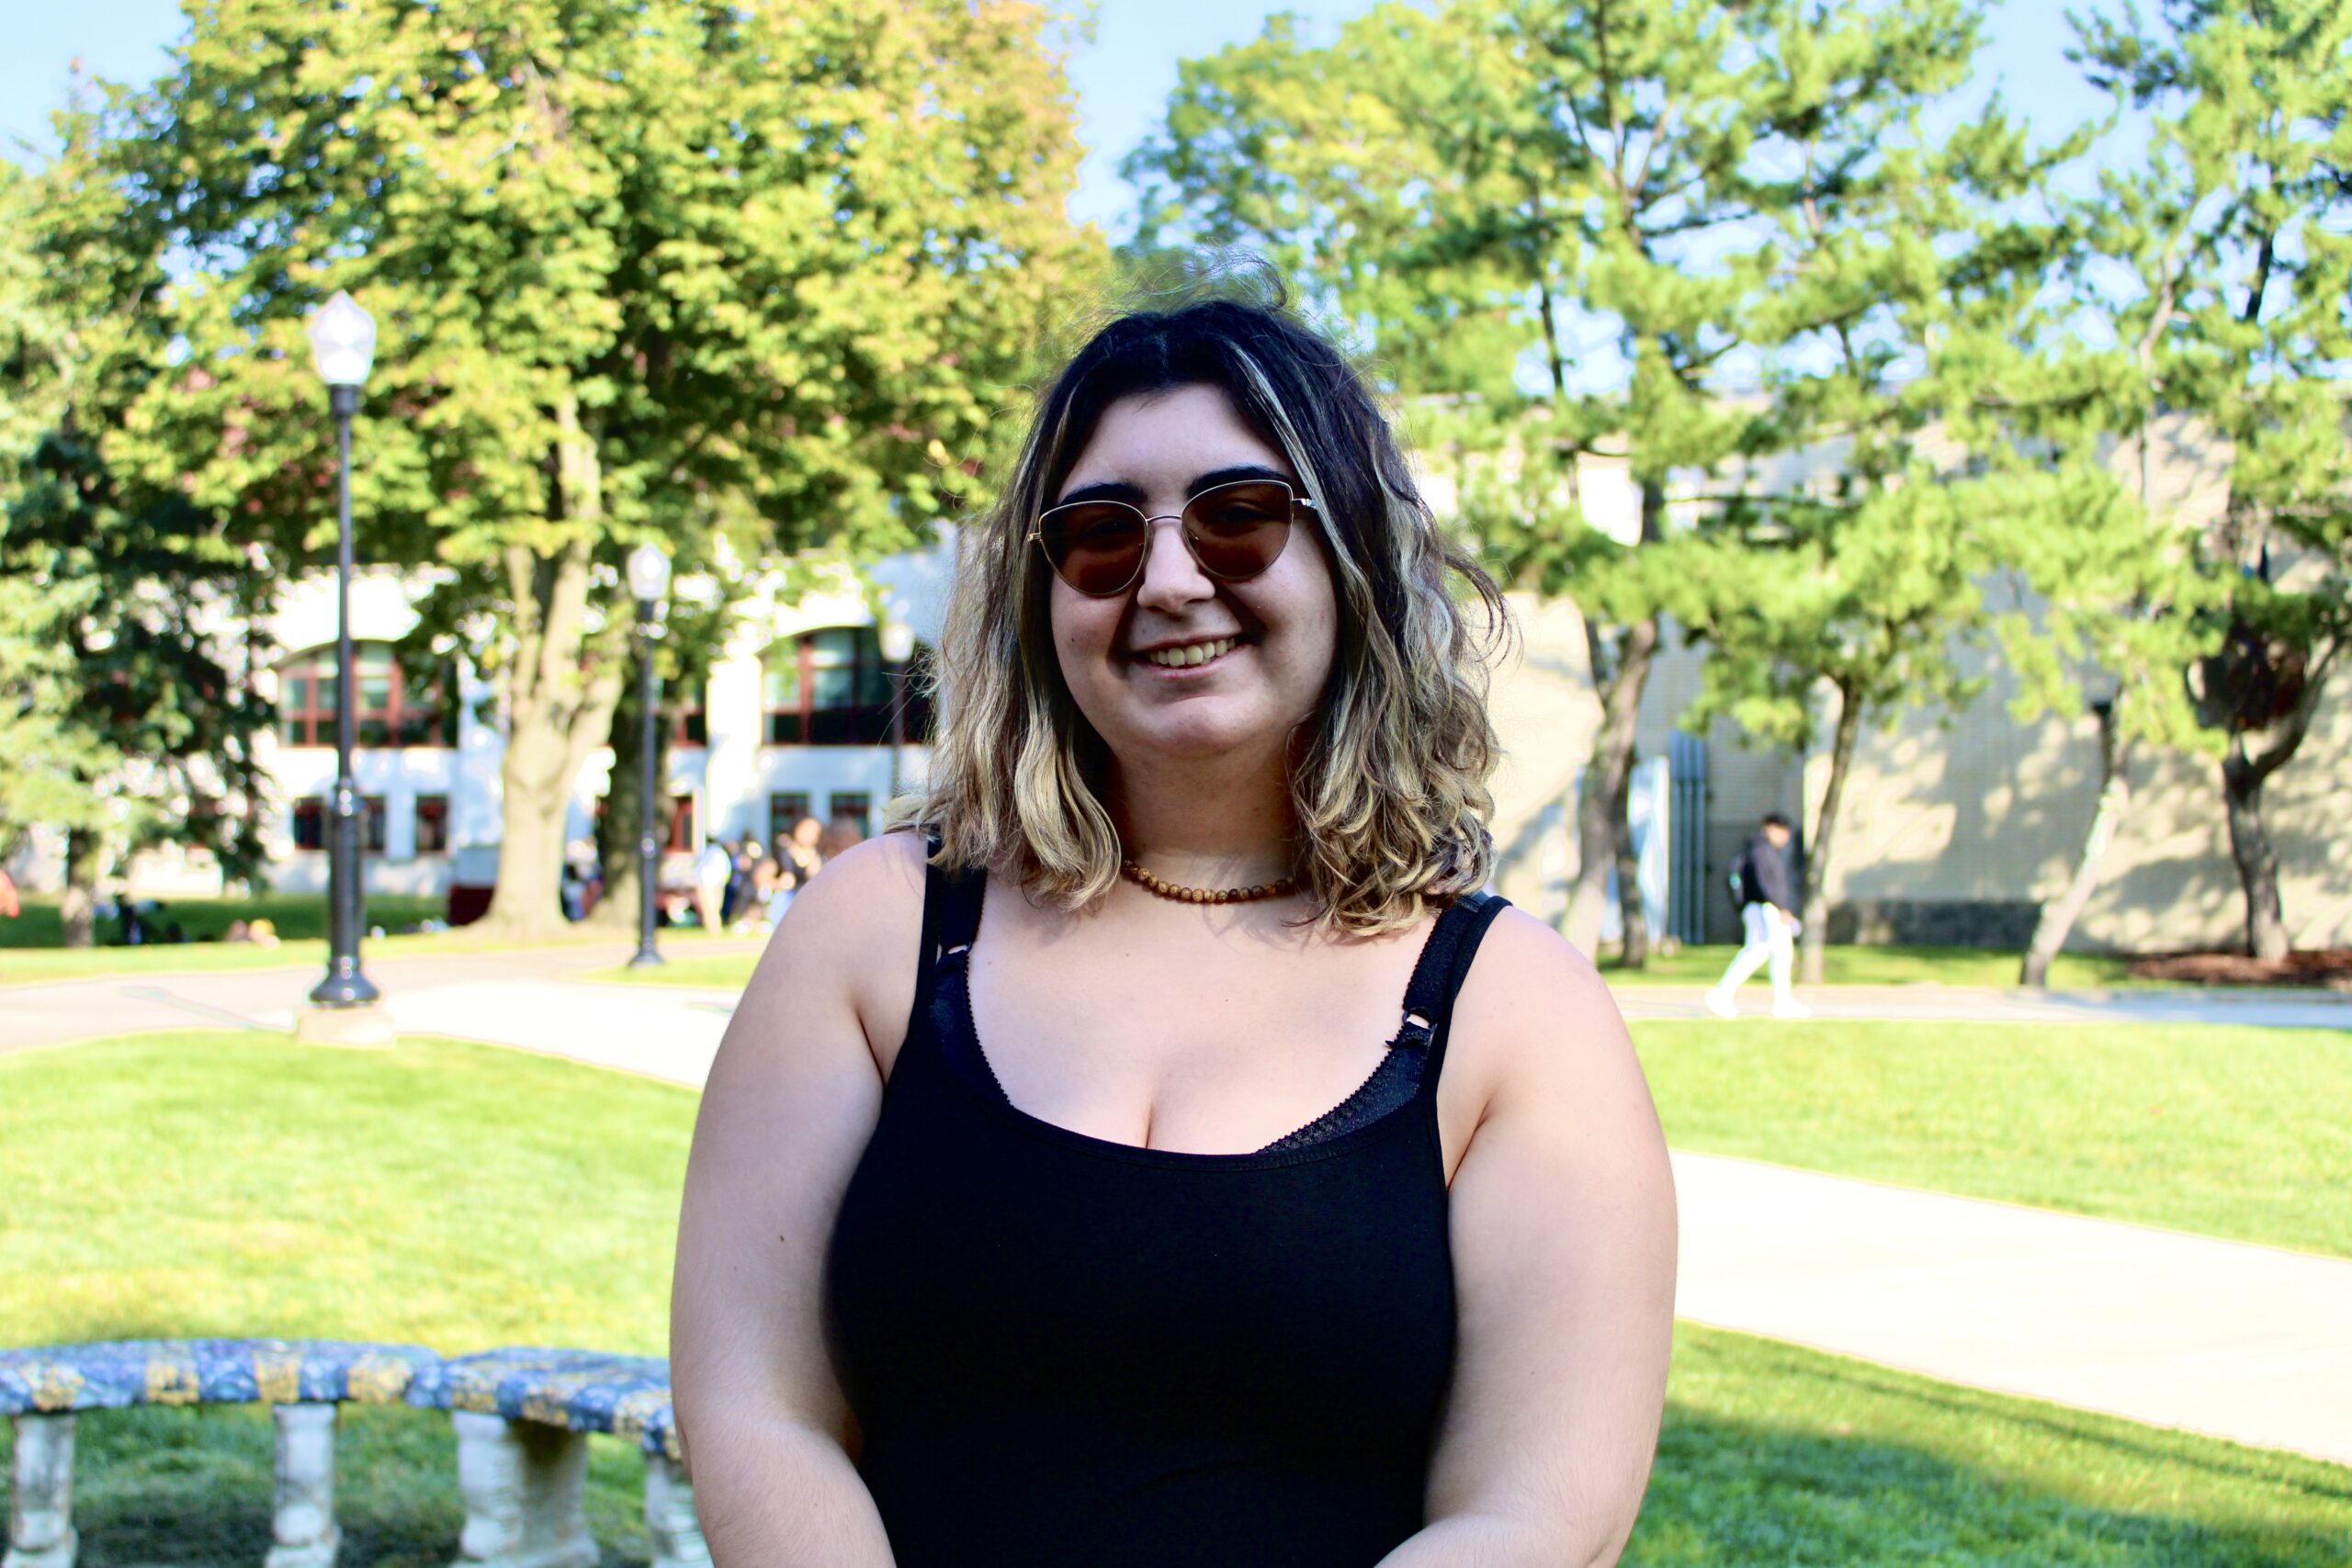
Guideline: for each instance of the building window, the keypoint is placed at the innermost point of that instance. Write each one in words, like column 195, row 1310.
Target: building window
column 682, row 823
column 692, row 724
column 311, row 816
column 857, row 805
column 432, row 824
column 391, row 711
column 831, row 688
column 786, row 808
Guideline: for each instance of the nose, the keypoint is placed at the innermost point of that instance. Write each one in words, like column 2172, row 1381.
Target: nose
column 1171, row 577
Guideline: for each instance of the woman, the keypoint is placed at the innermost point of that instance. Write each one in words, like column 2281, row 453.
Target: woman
column 1030, row 1218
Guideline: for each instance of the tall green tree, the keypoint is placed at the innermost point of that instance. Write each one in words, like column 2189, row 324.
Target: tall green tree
column 742, row 279
column 1843, row 577
column 126, row 711
column 2229, row 257
column 1618, row 229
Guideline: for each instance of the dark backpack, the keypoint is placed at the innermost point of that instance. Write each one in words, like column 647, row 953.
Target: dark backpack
column 1738, row 878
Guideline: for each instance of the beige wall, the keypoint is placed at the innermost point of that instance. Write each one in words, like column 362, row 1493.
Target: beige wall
column 1988, row 811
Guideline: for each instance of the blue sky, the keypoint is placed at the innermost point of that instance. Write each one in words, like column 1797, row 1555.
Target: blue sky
column 1123, row 77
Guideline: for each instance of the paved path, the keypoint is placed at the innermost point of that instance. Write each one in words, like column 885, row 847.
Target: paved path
column 502, row 987
column 2244, row 1342
column 2241, row 1342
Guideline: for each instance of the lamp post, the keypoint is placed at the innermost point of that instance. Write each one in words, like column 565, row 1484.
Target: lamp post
column 343, row 341
column 649, row 579
column 898, row 646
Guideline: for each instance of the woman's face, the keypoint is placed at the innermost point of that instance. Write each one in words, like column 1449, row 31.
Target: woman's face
column 1157, row 451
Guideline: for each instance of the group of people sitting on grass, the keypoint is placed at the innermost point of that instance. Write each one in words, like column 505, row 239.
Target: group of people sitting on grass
column 745, row 888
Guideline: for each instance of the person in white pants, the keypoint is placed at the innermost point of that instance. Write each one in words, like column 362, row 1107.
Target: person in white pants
column 1767, row 923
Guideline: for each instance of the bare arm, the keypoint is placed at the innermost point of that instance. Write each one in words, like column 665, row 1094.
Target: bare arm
column 1564, row 1237
column 791, row 1102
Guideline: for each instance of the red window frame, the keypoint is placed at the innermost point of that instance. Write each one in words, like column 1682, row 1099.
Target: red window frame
column 873, row 686
column 404, row 719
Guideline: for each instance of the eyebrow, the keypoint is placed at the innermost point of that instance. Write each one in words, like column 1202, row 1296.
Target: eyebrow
column 1120, row 489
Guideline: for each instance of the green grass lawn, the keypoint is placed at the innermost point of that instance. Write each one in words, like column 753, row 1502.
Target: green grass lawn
column 464, row 1197
column 1691, row 966
column 2231, row 1132
column 1888, row 966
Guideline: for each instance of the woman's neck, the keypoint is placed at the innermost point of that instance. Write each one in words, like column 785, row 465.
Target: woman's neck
column 1205, row 822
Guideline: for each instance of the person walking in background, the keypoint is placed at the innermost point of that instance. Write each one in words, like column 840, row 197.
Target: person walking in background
column 1765, row 888
column 713, row 867
column 10, row 905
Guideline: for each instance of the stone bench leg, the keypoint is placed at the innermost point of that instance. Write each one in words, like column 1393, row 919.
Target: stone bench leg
column 302, row 1529
column 40, row 1500
column 669, row 1519
column 521, row 1482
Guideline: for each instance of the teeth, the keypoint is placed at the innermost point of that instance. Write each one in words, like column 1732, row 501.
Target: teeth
column 1190, row 654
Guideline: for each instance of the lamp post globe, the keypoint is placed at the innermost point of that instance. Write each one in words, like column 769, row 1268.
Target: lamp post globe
column 649, row 583
column 343, row 343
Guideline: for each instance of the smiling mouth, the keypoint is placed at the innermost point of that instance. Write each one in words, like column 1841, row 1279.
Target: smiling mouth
column 1192, row 653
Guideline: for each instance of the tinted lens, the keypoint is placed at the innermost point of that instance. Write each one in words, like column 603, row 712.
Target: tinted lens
column 1238, row 530
column 1096, row 546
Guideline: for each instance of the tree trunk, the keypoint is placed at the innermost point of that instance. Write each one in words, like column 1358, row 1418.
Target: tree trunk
column 1600, row 800
column 559, row 688
column 2058, row 916
column 2257, row 860
column 1813, row 946
column 1609, row 770
column 1634, row 949
column 86, row 852
column 617, row 832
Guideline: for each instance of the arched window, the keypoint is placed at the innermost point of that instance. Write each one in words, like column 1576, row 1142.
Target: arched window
column 831, row 688
column 391, row 711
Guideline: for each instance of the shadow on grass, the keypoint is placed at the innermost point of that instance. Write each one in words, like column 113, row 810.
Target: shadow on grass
column 2044, row 1486
column 191, row 1488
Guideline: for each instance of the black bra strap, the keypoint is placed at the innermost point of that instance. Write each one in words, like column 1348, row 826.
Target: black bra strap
column 950, row 905
column 1445, row 963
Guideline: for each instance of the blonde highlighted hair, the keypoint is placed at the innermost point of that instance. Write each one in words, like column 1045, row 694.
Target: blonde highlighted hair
column 1388, row 779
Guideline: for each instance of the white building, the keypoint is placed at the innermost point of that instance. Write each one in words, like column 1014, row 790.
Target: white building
column 794, row 720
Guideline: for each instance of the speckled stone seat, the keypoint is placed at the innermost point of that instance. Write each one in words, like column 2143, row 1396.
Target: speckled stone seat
column 522, row 1418
column 119, row 1373
column 580, row 1391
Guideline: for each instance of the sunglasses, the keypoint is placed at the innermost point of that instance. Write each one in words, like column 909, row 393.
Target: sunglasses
column 1234, row 531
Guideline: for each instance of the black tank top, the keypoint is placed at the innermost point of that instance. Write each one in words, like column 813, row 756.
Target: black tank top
column 1069, row 1352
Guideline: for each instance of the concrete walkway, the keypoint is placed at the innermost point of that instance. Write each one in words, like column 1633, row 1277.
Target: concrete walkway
column 2235, row 1341
column 2243, row 1342
column 503, row 986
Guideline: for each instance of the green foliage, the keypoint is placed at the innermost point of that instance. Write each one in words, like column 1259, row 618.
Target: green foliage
column 126, row 712
column 745, row 281
column 2220, row 269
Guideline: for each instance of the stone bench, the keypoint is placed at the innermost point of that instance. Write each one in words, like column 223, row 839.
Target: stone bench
column 521, row 1416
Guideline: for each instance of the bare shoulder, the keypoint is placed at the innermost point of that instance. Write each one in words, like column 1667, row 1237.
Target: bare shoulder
column 1535, row 1019
column 851, row 937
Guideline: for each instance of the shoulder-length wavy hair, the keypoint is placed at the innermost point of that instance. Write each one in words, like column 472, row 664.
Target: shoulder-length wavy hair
column 1388, row 778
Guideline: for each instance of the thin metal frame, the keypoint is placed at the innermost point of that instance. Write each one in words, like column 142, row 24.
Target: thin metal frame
column 1297, row 503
